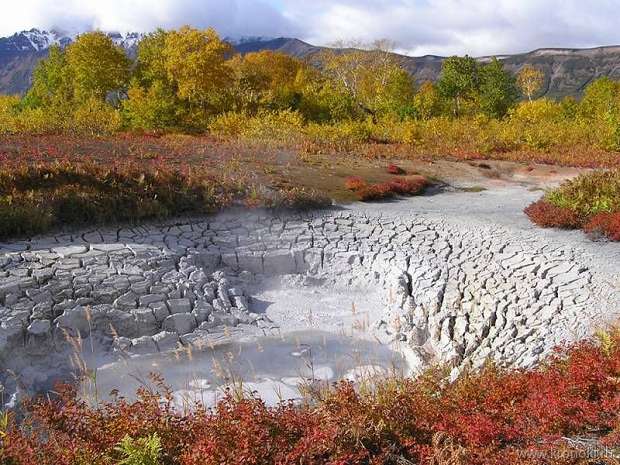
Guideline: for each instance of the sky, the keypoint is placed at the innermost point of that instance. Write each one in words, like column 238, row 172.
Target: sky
column 417, row 27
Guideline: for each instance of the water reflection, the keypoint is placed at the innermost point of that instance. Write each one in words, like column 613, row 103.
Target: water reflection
column 272, row 367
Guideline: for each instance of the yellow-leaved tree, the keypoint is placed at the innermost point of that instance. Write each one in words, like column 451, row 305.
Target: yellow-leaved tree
column 196, row 64
column 530, row 80
column 371, row 76
column 152, row 101
column 266, row 79
column 97, row 66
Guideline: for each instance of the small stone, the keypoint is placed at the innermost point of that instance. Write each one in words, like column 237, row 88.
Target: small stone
column 179, row 306
column 127, row 301
column 202, row 310
column 121, row 344
column 68, row 251
column 148, row 299
column 223, row 320
column 219, row 307
column 75, row 320
column 160, row 310
column 145, row 319
column 241, row 303
column 39, row 327
column 181, row 323
column 166, row 340
column 198, row 276
column 41, row 311
column 122, row 323
column 143, row 345
column 235, row 292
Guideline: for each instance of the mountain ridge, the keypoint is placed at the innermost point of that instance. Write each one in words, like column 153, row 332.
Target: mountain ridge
column 567, row 70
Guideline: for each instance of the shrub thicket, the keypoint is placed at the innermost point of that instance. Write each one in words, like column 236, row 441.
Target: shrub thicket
column 411, row 185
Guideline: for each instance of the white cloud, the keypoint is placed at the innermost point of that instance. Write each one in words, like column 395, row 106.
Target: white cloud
column 230, row 17
column 477, row 27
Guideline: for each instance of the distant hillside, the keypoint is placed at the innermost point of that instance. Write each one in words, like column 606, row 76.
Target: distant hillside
column 567, row 71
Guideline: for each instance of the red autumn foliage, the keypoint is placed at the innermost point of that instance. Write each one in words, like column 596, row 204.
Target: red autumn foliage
column 493, row 416
column 354, row 183
column 607, row 224
column 375, row 192
column 410, row 186
column 547, row 215
column 395, row 169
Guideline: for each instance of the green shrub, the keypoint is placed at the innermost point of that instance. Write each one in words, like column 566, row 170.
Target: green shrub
column 9, row 105
column 589, row 194
column 535, row 124
column 343, row 136
column 92, row 117
column 35, row 198
column 142, row 451
column 229, row 124
column 590, row 201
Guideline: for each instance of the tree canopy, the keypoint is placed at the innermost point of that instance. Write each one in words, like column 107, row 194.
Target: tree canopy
column 184, row 78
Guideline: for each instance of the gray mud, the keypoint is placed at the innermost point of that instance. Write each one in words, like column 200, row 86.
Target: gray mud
column 457, row 277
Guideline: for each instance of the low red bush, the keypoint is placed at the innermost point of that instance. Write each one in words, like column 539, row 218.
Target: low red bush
column 410, row 186
column 607, row 224
column 395, row 169
column 354, row 183
column 375, row 192
column 547, row 215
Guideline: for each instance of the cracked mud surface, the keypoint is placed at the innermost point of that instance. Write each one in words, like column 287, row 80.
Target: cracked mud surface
column 457, row 277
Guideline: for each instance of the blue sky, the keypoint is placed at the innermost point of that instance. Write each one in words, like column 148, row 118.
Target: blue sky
column 418, row 27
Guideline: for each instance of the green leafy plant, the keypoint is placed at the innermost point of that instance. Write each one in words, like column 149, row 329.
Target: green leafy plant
column 141, row 451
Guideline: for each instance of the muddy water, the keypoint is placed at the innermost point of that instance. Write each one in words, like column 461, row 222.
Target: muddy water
column 271, row 367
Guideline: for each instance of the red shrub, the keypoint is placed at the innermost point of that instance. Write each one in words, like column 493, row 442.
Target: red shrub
column 395, row 169
column 547, row 215
column 354, row 183
column 411, row 186
column 248, row 432
column 607, row 224
column 375, row 192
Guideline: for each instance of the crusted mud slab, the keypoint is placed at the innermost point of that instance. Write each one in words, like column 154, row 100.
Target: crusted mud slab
column 456, row 277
